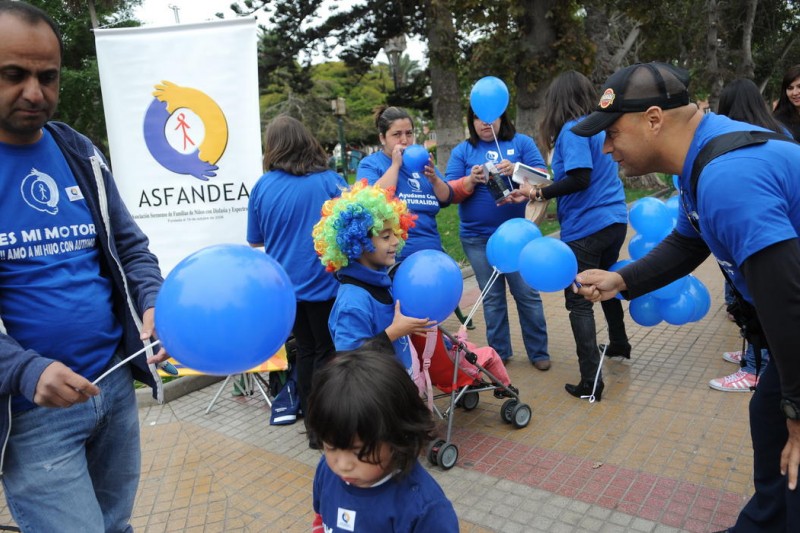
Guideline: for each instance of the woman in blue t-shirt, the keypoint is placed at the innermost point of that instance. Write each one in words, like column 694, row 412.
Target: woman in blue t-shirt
column 481, row 216
column 424, row 194
column 284, row 206
column 592, row 213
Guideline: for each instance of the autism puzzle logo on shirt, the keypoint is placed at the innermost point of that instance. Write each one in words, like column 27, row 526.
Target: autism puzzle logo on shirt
column 40, row 192
column 185, row 130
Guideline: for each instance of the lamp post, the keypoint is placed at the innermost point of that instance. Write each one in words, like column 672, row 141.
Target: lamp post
column 394, row 48
column 339, row 109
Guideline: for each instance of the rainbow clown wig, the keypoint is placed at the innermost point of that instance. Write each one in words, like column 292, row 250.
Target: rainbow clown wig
column 348, row 223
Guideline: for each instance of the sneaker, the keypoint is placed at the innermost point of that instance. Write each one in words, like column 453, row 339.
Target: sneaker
column 740, row 381
column 733, row 357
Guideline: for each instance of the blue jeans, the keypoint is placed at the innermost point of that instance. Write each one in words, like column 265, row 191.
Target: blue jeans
column 495, row 307
column 599, row 250
column 750, row 359
column 76, row 469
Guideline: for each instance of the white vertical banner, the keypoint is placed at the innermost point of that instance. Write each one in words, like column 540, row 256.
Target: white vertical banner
column 181, row 108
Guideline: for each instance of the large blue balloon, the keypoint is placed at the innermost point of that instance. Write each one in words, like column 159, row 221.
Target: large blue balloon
column 225, row 309
column 677, row 311
column 489, row 98
column 548, row 265
column 674, row 208
column 415, row 158
column 507, row 241
column 639, row 245
column 670, row 290
column 650, row 217
column 702, row 298
column 429, row 285
column 644, row 310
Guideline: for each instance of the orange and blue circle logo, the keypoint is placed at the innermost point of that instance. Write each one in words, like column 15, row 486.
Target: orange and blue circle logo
column 185, row 130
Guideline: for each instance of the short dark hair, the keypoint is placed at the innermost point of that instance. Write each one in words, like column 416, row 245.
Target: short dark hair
column 741, row 100
column 367, row 394
column 31, row 15
column 289, row 146
column 506, row 133
column 570, row 95
column 785, row 110
column 386, row 115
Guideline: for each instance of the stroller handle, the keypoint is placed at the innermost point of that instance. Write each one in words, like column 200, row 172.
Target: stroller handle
column 469, row 355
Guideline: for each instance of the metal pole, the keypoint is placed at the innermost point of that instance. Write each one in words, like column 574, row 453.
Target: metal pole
column 345, row 167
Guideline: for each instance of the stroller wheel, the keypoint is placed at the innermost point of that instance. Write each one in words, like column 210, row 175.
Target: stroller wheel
column 433, row 450
column 470, row 401
column 521, row 415
column 447, row 456
column 507, row 410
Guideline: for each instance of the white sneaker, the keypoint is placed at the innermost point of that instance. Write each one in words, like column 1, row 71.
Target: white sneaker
column 733, row 357
column 740, row 381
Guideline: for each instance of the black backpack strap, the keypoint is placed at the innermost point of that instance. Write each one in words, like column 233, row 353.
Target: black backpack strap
column 743, row 312
column 381, row 294
column 728, row 142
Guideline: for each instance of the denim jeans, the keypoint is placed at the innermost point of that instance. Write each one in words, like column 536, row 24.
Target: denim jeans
column 750, row 360
column 76, row 469
column 599, row 250
column 495, row 307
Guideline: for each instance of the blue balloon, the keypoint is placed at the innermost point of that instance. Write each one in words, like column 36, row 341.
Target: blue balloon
column 673, row 204
column 650, row 217
column 507, row 241
column 670, row 290
column 644, row 311
column 415, row 158
column 548, row 265
column 429, row 285
column 702, row 298
column 675, row 182
column 639, row 245
column 616, row 266
column 489, row 98
column 225, row 309
column 678, row 310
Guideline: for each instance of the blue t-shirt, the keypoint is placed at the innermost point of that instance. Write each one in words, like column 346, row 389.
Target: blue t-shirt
column 414, row 503
column 357, row 316
column 282, row 212
column 588, row 211
column 417, row 192
column 757, row 184
column 53, row 298
column 480, row 216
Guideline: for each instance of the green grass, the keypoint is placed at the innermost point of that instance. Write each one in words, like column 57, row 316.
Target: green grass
column 447, row 220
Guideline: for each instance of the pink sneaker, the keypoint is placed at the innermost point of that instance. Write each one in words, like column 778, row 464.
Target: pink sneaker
column 740, row 381
column 733, row 357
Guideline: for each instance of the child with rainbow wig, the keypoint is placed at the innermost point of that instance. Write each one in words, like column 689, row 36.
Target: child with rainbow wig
column 358, row 239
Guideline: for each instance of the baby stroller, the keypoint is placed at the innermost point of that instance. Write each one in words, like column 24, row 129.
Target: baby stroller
column 454, row 368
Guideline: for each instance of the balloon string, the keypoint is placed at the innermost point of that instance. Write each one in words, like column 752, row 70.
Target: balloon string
column 499, row 152
column 597, row 375
column 495, row 274
column 110, row 370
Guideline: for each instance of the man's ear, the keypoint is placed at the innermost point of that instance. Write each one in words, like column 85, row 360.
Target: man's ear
column 654, row 116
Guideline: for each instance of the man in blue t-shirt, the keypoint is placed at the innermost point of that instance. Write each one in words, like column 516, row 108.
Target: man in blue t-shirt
column 77, row 291
column 746, row 211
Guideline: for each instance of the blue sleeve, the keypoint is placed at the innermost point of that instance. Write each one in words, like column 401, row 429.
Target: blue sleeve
column 575, row 151
column 369, row 169
column 437, row 516
column 351, row 325
column 529, row 153
column 457, row 164
column 254, row 235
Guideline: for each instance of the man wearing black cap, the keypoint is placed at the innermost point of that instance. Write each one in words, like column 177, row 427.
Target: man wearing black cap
column 745, row 209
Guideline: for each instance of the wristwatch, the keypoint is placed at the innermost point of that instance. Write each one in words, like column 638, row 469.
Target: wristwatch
column 790, row 409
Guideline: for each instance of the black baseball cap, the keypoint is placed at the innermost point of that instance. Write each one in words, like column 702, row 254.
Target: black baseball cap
column 634, row 89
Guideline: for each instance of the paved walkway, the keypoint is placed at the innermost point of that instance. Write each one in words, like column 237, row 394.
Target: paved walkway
column 662, row 452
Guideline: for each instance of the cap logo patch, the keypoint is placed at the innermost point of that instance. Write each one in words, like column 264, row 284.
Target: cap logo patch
column 607, row 99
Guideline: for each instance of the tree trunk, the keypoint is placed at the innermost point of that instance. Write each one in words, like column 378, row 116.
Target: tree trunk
column 445, row 92
column 646, row 181
column 713, row 74
column 747, row 66
column 537, row 36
